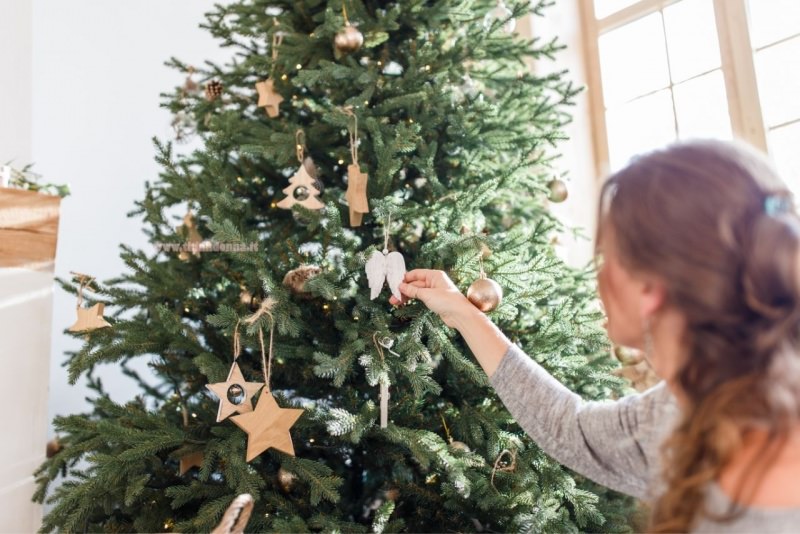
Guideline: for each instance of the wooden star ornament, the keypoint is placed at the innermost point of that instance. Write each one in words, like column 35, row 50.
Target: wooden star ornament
column 193, row 459
column 192, row 236
column 235, row 395
column 269, row 98
column 90, row 319
column 356, row 194
column 268, row 426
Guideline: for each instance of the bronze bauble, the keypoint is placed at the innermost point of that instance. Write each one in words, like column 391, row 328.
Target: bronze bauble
column 558, row 190
column 348, row 40
column 485, row 294
column 286, row 479
column 459, row 445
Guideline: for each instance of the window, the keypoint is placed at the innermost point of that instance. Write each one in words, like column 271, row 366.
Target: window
column 660, row 70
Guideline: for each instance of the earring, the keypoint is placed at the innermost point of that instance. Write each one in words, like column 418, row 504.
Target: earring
column 648, row 340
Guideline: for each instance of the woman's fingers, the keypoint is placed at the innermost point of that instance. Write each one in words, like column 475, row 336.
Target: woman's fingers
column 408, row 292
column 414, row 290
column 414, row 275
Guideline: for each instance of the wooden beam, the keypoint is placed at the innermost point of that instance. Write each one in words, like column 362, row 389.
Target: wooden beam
column 594, row 86
column 631, row 13
column 738, row 69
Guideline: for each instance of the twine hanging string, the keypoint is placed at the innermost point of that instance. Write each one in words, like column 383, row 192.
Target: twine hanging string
column 377, row 345
column 299, row 141
column 507, row 468
column 383, row 343
column 348, row 110
column 237, row 341
column 266, row 365
column 84, row 280
column 446, row 430
column 386, row 228
column 277, row 40
column 344, row 14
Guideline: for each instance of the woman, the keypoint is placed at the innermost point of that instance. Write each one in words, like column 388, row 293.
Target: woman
column 700, row 269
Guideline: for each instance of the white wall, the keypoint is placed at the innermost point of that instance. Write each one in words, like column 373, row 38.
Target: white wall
column 562, row 20
column 15, row 75
column 98, row 68
column 25, row 296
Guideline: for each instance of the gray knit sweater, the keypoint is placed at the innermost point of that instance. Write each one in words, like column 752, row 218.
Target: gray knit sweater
column 614, row 443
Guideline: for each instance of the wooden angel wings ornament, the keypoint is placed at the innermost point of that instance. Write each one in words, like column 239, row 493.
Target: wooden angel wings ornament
column 385, row 266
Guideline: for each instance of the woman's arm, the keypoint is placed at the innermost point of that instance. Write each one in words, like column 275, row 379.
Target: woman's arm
column 614, row 443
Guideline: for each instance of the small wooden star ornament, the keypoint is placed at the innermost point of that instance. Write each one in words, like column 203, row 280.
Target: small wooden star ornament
column 269, row 98
column 268, row 426
column 193, row 238
column 356, row 194
column 194, row 459
column 90, row 319
column 235, row 394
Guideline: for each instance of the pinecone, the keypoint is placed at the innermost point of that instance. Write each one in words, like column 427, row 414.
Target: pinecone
column 213, row 90
column 296, row 278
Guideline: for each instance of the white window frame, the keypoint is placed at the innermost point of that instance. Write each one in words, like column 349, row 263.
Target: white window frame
column 737, row 64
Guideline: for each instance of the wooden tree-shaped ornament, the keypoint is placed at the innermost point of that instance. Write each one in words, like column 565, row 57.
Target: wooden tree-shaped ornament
column 301, row 189
column 88, row 318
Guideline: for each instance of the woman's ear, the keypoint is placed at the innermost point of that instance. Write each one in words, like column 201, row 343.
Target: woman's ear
column 653, row 294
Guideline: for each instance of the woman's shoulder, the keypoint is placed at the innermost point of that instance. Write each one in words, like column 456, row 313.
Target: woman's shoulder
column 753, row 518
column 656, row 405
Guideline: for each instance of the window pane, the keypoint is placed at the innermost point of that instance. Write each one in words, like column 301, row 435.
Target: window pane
column 691, row 38
column 603, row 8
column 638, row 126
column 633, row 60
column 702, row 107
column 783, row 143
column 778, row 73
column 773, row 20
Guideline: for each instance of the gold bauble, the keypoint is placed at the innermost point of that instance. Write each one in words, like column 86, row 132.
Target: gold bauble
column 485, row 294
column 392, row 494
column 286, row 479
column 558, row 190
column 459, row 445
column 245, row 297
column 348, row 40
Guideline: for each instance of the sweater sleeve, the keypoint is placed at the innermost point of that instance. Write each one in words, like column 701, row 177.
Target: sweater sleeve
column 614, row 443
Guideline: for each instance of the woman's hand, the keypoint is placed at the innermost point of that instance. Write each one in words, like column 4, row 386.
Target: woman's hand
column 437, row 292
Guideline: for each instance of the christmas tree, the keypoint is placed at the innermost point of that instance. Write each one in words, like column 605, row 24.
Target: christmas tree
column 420, row 130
